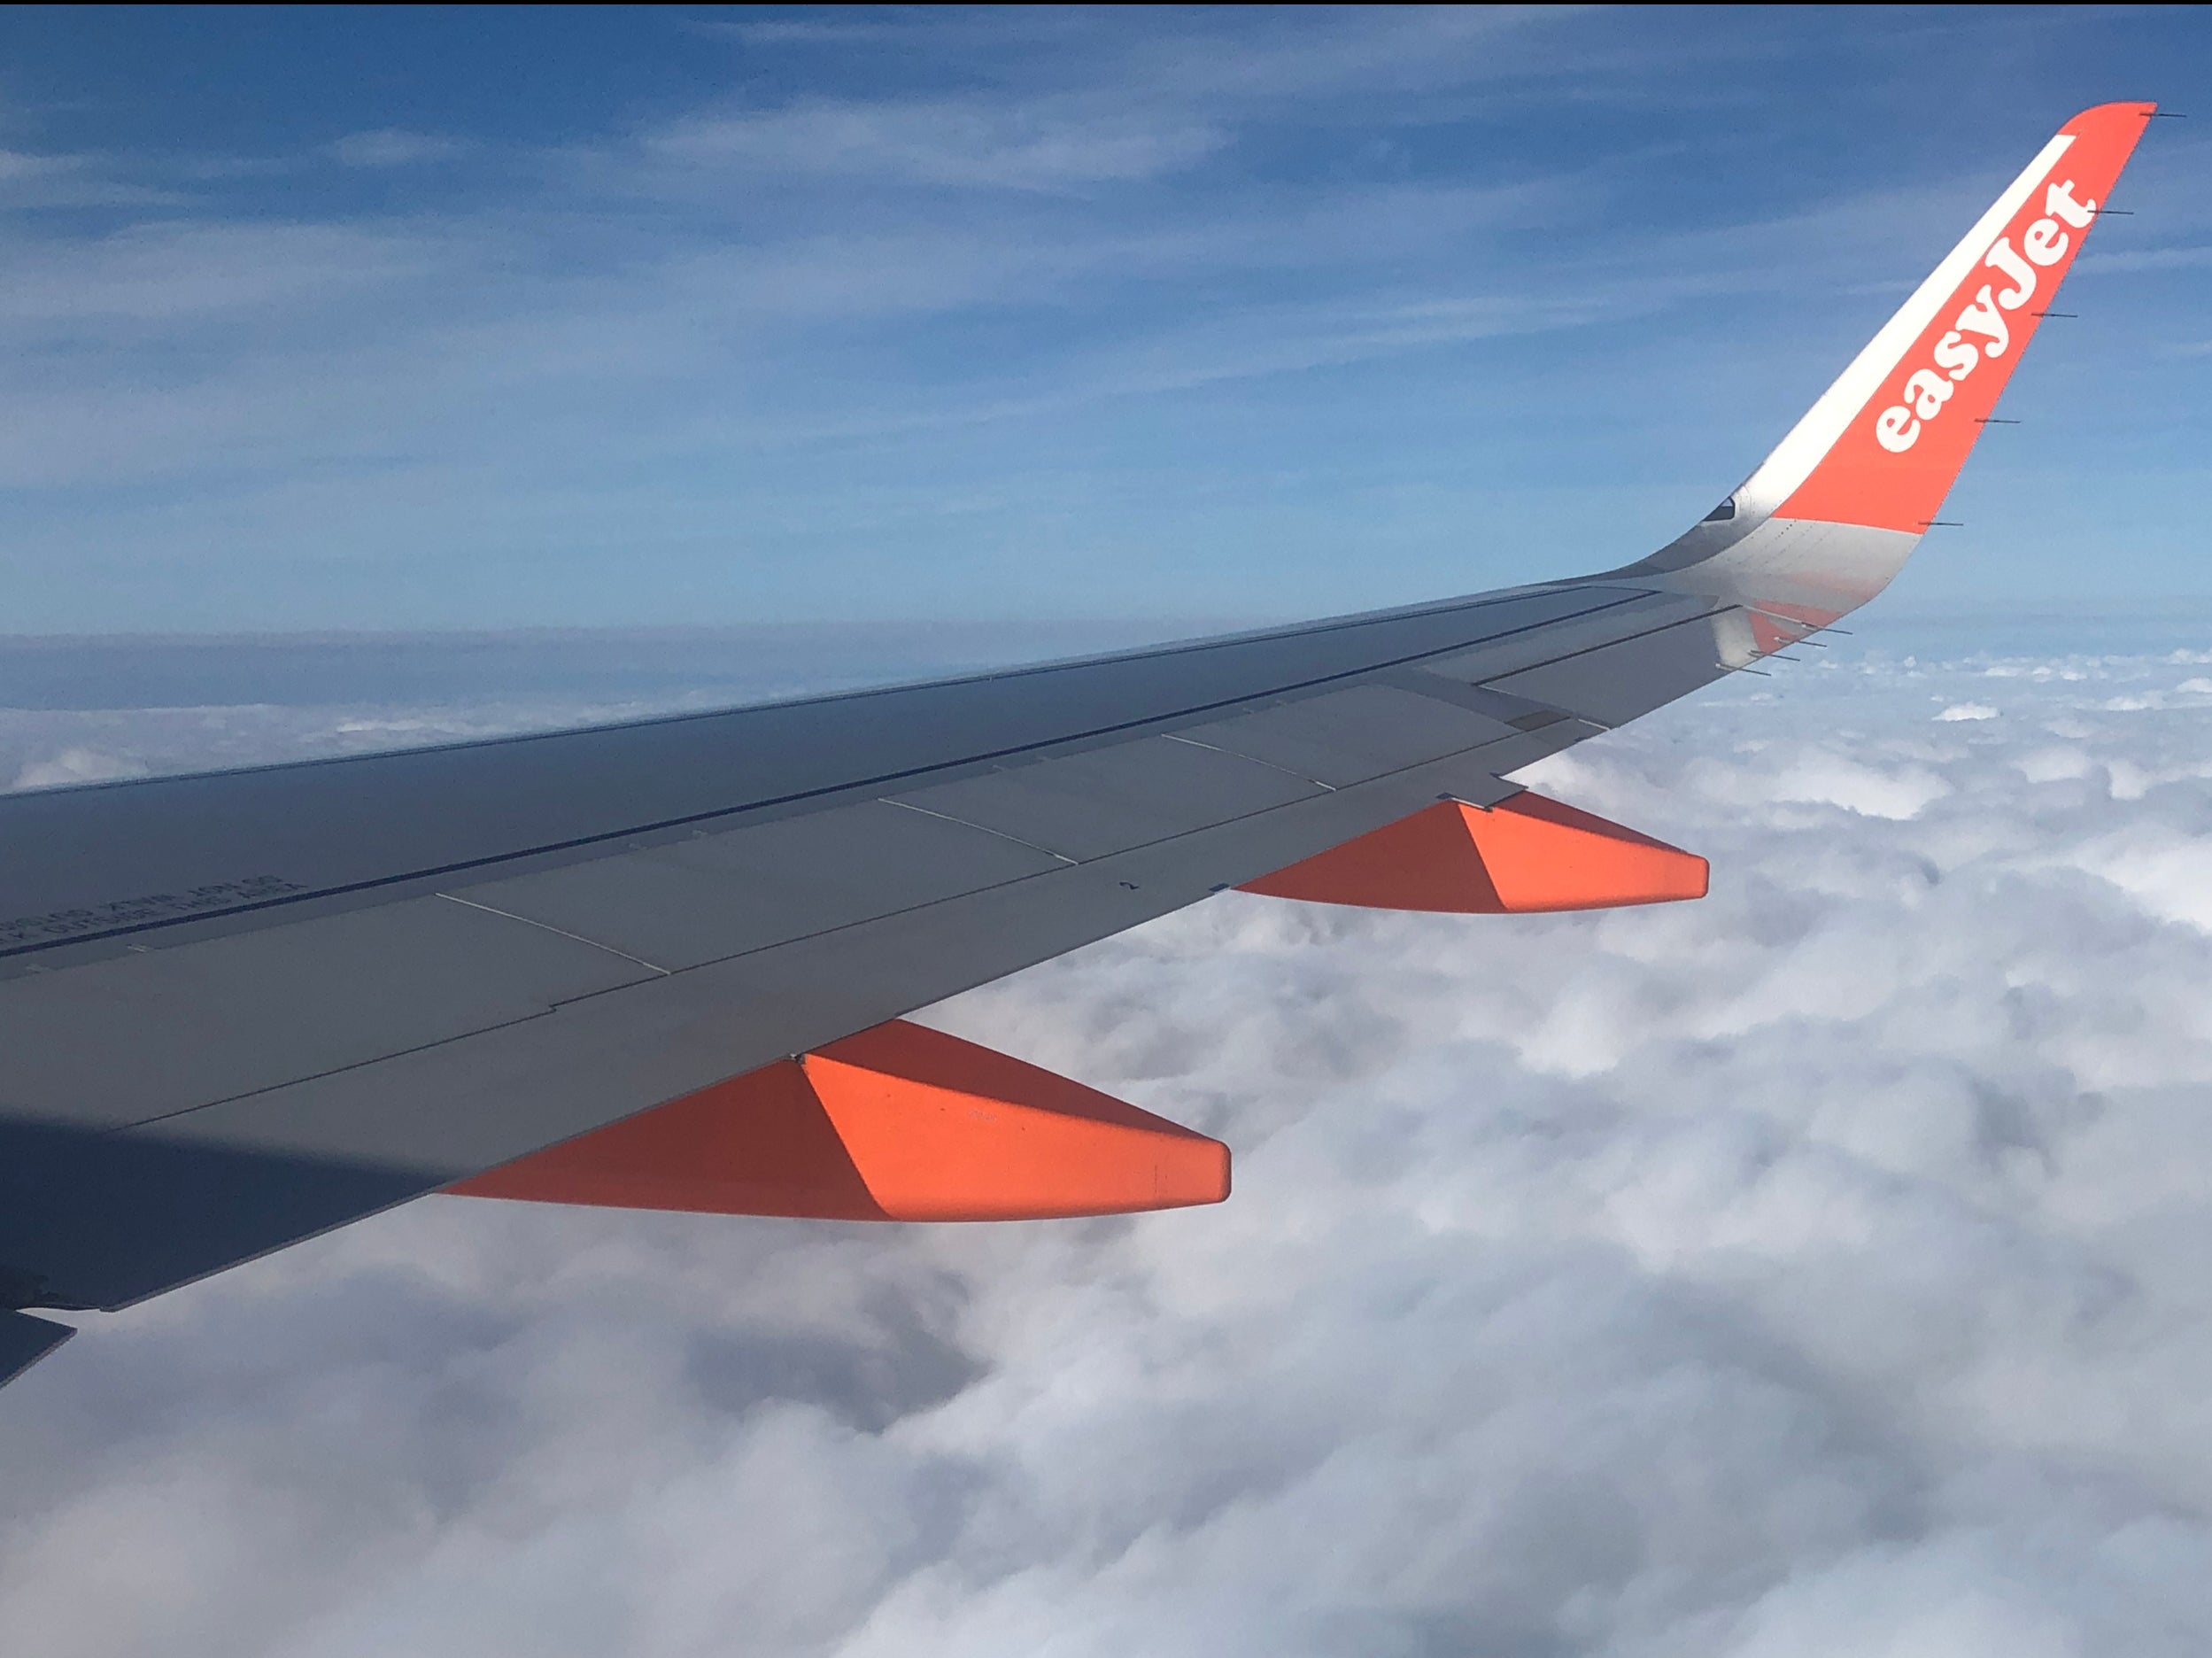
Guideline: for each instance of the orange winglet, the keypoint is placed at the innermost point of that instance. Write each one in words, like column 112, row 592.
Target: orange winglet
column 1896, row 456
column 1523, row 854
column 897, row 1123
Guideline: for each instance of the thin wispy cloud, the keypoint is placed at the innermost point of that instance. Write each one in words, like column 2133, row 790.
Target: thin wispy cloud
column 944, row 143
column 392, row 147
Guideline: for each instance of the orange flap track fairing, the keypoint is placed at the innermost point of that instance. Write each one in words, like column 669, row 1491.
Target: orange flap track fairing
column 1524, row 855
column 897, row 1123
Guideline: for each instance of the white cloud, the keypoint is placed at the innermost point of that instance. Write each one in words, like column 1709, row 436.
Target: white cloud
column 1050, row 145
column 2168, row 869
column 1813, row 1270
column 76, row 765
column 392, row 147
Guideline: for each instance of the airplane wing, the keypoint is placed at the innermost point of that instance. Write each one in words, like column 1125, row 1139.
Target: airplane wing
column 664, row 963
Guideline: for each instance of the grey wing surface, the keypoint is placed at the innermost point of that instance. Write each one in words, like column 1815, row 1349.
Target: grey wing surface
column 242, row 1007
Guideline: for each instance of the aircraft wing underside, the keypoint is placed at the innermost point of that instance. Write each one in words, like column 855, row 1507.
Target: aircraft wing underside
column 241, row 1007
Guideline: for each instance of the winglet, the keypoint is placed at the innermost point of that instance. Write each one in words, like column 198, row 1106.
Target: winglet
column 1884, row 445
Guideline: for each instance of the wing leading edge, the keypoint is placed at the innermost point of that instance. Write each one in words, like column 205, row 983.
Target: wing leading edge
column 242, row 1008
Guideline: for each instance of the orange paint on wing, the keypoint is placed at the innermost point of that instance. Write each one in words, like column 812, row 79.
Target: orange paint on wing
column 1524, row 855
column 897, row 1123
column 1949, row 379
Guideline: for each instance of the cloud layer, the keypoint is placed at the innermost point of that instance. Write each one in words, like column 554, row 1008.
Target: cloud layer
column 1814, row 1270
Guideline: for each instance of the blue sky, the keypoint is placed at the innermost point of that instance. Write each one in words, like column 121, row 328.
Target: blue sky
column 430, row 318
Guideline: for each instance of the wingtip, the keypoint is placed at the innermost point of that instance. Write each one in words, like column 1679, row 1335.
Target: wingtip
column 2098, row 114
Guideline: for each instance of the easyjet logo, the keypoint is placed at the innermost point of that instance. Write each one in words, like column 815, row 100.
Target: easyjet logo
column 1981, row 329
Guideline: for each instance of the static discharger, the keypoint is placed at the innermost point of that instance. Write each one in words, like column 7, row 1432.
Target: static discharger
column 897, row 1123
column 1524, row 855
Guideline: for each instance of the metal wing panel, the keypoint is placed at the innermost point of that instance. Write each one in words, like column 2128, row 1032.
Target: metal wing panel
column 152, row 1035
column 1090, row 805
column 1488, row 660
column 1346, row 736
column 713, row 896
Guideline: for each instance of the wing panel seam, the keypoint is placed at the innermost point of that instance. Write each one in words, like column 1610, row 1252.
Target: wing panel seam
column 887, row 800
column 547, row 926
